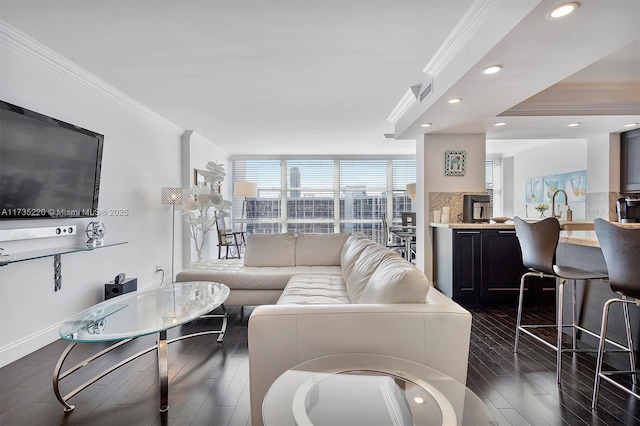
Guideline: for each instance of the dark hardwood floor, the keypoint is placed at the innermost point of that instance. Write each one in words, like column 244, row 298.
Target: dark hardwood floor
column 209, row 382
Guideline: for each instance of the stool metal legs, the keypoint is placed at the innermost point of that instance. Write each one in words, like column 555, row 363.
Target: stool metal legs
column 601, row 350
column 559, row 325
column 524, row 328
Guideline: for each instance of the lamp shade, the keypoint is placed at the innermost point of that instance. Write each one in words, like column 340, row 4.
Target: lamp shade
column 411, row 191
column 245, row 189
column 171, row 195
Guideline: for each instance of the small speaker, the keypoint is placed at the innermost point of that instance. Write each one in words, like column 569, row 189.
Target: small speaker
column 112, row 290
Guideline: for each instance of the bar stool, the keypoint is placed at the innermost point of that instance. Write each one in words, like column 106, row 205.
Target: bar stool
column 621, row 249
column 538, row 242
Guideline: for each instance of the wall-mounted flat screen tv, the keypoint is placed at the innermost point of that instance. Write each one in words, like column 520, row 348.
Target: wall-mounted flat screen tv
column 48, row 168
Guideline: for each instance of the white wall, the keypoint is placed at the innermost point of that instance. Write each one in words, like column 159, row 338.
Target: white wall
column 507, row 186
column 141, row 155
column 547, row 158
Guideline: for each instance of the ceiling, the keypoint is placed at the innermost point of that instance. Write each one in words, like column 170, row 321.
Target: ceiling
column 321, row 77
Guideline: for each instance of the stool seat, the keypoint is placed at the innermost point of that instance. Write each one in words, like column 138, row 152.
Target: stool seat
column 571, row 273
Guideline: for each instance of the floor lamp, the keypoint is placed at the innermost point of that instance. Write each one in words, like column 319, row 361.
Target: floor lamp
column 172, row 196
column 244, row 190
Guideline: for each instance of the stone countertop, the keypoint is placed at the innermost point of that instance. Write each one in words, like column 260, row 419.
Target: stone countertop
column 460, row 225
column 583, row 238
column 579, row 235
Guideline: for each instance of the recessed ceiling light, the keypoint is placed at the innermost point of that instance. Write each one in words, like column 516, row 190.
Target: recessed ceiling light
column 418, row 400
column 454, row 100
column 425, row 125
column 573, row 124
column 492, row 69
column 563, row 10
column 631, row 124
column 502, row 123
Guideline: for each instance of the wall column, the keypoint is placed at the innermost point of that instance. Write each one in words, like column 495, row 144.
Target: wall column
column 430, row 155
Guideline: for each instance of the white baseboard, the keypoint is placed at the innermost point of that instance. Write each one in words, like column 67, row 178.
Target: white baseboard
column 29, row 344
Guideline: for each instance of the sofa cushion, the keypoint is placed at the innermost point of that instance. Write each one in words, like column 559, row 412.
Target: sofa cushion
column 236, row 276
column 360, row 260
column 270, row 250
column 319, row 249
column 313, row 289
column 395, row 281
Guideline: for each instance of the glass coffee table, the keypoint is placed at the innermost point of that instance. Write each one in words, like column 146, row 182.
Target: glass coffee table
column 136, row 314
column 366, row 389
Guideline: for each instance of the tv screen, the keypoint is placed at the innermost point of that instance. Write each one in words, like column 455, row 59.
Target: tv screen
column 48, row 168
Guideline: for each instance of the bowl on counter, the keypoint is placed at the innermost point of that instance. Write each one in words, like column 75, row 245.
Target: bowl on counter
column 499, row 219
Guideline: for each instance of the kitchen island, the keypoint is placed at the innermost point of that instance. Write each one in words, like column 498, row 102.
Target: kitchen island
column 480, row 263
column 581, row 249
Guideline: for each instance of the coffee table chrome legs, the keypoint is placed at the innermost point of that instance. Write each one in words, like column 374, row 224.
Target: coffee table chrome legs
column 223, row 328
column 56, row 379
column 57, row 376
column 163, row 371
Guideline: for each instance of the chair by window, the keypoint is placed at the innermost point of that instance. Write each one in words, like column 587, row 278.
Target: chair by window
column 390, row 240
column 227, row 238
column 621, row 249
column 538, row 242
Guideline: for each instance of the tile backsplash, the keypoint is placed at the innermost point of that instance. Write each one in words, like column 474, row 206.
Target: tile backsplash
column 453, row 200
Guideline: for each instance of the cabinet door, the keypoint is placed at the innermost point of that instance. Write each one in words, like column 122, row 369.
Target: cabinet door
column 630, row 161
column 501, row 266
column 467, row 266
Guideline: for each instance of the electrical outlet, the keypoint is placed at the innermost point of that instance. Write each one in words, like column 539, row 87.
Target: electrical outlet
column 159, row 268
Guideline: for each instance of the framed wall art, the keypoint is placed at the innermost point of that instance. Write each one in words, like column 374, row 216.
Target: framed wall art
column 454, row 163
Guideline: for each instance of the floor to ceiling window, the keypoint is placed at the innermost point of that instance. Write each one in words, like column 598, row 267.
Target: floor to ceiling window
column 323, row 195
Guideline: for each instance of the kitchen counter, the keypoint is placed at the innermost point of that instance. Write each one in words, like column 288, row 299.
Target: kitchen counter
column 574, row 232
column 460, row 225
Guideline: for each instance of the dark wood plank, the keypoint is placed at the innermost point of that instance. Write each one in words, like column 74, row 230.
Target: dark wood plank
column 209, row 382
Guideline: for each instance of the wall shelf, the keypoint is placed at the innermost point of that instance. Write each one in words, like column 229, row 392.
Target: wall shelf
column 56, row 253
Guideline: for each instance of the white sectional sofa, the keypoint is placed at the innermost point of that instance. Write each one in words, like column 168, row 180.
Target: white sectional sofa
column 326, row 294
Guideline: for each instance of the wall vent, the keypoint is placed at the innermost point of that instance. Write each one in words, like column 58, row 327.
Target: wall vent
column 426, row 91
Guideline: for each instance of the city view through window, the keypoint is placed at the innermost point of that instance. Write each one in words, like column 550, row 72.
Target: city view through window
column 323, row 196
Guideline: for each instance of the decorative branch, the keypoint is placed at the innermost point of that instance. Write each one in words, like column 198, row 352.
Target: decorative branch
column 204, row 205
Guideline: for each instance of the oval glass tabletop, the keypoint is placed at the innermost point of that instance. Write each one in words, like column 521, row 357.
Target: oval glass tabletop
column 366, row 389
column 144, row 312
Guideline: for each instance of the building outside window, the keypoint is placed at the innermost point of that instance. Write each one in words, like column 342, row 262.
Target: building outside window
column 324, row 195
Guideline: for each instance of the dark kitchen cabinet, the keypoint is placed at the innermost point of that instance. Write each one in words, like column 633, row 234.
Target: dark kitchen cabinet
column 478, row 266
column 630, row 162
column 501, row 265
column 467, row 265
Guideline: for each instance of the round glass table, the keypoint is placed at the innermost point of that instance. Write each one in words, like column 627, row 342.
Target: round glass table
column 366, row 389
column 136, row 314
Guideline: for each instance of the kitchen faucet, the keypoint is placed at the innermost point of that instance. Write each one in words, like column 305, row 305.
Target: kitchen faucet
column 553, row 203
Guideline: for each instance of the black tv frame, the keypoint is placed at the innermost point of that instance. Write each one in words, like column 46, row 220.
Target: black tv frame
column 50, row 213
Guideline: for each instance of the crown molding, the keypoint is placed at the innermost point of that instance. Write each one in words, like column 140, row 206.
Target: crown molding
column 541, row 110
column 26, row 45
column 479, row 11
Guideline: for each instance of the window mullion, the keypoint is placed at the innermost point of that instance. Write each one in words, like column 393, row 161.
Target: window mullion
column 283, row 196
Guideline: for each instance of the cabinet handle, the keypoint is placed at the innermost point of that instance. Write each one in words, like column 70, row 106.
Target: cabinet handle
column 467, row 232
column 506, row 232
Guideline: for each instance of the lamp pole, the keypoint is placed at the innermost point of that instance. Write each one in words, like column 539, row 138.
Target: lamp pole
column 172, row 196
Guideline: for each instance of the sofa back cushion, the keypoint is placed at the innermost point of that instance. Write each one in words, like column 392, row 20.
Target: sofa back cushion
column 270, row 250
column 395, row 281
column 360, row 257
column 319, row 249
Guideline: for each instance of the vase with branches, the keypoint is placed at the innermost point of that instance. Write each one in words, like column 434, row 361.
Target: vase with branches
column 205, row 204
